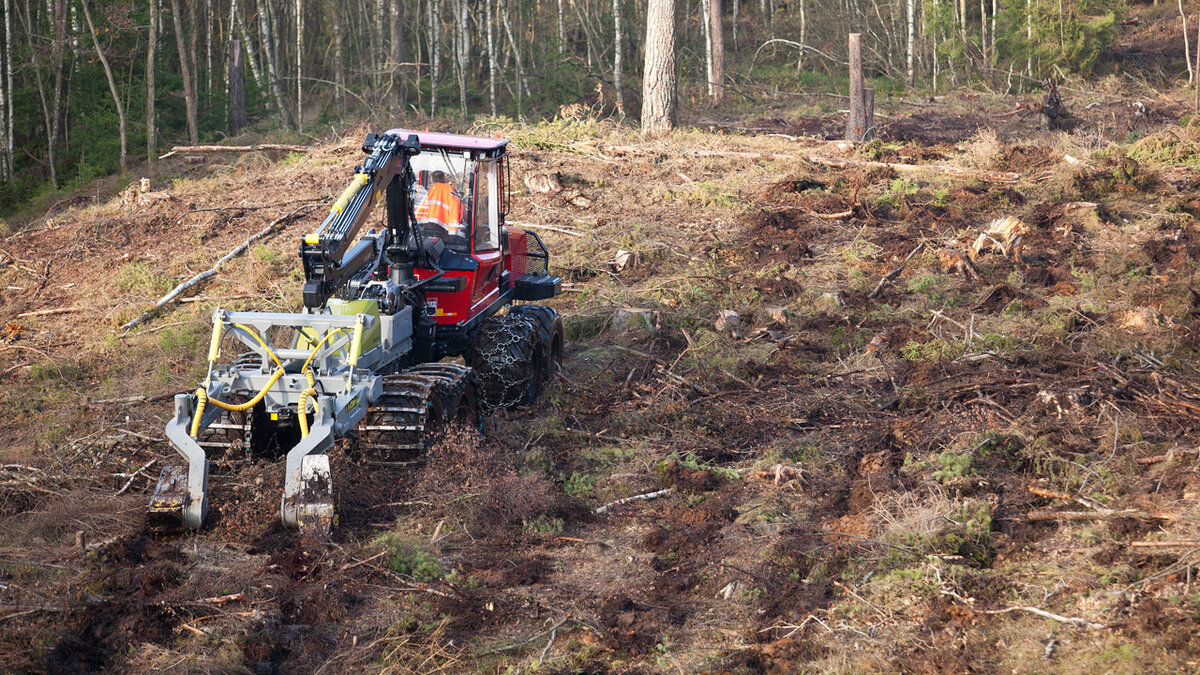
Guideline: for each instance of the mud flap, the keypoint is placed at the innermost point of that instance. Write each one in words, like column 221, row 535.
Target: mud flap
column 315, row 511
column 166, row 512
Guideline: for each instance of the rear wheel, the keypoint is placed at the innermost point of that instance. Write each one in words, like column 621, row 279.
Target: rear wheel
column 508, row 354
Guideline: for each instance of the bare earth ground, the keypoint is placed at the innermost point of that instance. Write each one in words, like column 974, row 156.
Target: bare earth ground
column 919, row 449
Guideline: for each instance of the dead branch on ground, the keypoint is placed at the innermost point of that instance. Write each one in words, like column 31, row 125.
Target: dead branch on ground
column 211, row 272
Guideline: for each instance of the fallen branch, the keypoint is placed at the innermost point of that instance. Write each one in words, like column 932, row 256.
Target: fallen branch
column 1073, row 620
column 833, row 216
column 50, row 312
column 1165, row 544
column 134, row 476
column 238, row 250
column 1155, row 459
column 995, row 176
column 1051, row 516
column 883, row 282
column 127, row 400
column 236, row 148
column 551, row 228
column 626, row 500
column 222, row 599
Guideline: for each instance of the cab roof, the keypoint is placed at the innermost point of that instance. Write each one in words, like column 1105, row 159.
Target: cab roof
column 434, row 139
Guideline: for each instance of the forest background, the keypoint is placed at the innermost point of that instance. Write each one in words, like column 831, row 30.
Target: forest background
column 92, row 87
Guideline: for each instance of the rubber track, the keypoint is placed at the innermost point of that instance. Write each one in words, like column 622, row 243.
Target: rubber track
column 397, row 422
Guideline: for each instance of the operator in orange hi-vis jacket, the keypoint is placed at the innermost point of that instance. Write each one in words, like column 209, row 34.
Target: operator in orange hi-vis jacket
column 441, row 206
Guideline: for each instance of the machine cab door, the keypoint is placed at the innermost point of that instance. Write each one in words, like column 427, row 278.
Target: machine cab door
column 486, row 234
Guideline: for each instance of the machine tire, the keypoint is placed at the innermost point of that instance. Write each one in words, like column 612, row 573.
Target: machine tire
column 508, row 356
column 550, row 330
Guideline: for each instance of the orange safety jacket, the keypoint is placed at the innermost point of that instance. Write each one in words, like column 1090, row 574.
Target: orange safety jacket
column 442, row 205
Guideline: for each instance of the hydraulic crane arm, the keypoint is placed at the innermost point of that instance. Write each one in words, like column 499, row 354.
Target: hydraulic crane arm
column 330, row 255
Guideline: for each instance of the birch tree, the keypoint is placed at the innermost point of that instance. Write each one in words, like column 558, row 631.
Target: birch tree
column 185, row 70
column 151, row 48
column 112, row 83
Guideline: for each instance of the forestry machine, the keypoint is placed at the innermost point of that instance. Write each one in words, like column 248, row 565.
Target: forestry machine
column 363, row 358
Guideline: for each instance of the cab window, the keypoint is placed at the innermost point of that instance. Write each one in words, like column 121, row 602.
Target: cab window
column 487, row 207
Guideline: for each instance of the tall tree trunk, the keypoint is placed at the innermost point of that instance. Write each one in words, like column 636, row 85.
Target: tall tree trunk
column 490, row 9
column 152, row 47
column 1187, row 51
column 658, row 79
column 561, row 35
column 462, row 51
column 237, row 88
column 912, row 39
column 8, row 75
column 397, row 57
column 299, row 64
column 189, row 91
column 57, row 61
column 520, row 64
column 268, row 43
column 618, row 50
column 47, row 118
column 208, row 52
column 716, row 64
column 112, row 83
column 435, row 53
column 803, row 38
column 251, row 59
column 339, row 62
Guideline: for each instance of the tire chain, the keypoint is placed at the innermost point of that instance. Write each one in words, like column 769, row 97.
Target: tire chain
column 502, row 360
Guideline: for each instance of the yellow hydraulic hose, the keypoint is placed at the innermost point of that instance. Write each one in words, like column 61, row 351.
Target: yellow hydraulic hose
column 311, row 392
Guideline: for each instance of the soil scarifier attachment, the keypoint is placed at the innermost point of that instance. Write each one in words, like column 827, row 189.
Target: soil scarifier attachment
column 363, row 358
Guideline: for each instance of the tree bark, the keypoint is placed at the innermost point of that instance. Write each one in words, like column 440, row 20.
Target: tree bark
column 462, row 51
column 339, row 62
column 299, row 64
column 237, row 88
column 490, row 9
column 658, row 79
column 618, row 49
column 856, row 125
column 561, row 34
column 397, row 57
column 189, row 91
column 435, row 52
column 8, row 40
column 912, row 39
column 112, row 84
column 716, row 38
column 152, row 47
column 1187, row 50
column 264, row 25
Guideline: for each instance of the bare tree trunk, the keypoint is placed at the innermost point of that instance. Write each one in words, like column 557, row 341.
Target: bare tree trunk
column 112, row 84
column 1195, row 103
column 264, row 25
column 57, row 61
column 151, row 131
column 8, row 40
column 490, row 8
column 462, row 50
column 41, row 88
column 208, row 53
column 520, row 65
column 716, row 38
column 397, row 16
column 658, row 79
column 912, row 39
column 1029, row 37
column 1187, row 50
column 435, row 53
column 339, row 63
column 962, row 21
column 561, row 35
column 189, row 91
column 618, row 50
column 803, row 37
column 299, row 64
column 251, row 59
column 237, row 88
